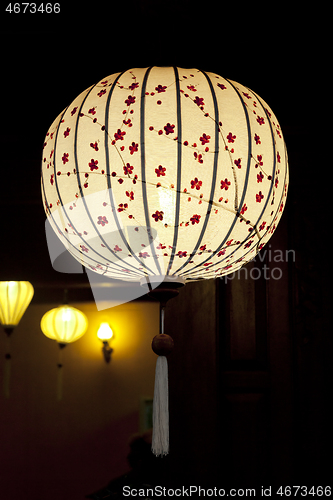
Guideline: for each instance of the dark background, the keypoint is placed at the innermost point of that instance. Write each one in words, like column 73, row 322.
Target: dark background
column 47, row 60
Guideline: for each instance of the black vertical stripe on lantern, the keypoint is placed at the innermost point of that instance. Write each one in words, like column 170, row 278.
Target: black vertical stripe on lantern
column 143, row 168
column 214, row 176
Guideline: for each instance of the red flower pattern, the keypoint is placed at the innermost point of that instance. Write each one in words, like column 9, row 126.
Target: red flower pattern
column 169, row 129
column 204, row 139
column 130, row 100
column 128, row 169
column 260, row 120
column 133, row 148
column 225, row 184
column 93, row 164
column 195, row 219
column 102, row 220
column 65, row 158
column 230, row 137
column 160, row 171
column 259, row 197
column 181, row 254
column 119, row 135
column 196, row 183
column 199, row 101
column 160, row 88
column 158, row 215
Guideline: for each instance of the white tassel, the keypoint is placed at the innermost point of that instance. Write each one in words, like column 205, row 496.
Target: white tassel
column 160, row 440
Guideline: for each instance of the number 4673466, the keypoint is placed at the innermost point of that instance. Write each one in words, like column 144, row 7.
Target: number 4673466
column 32, row 8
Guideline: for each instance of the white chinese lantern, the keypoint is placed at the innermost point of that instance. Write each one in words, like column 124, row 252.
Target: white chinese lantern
column 166, row 172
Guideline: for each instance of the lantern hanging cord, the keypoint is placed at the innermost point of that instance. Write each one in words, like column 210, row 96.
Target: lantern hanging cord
column 7, row 369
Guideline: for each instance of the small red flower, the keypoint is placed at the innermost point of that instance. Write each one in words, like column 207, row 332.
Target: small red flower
column 133, row 86
column 222, row 87
column 260, row 120
column 247, row 95
column 92, row 111
column 260, row 177
column 117, row 249
column 73, row 111
column 257, row 139
column 199, row 101
column 196, row 184
column 181, row 254
column 93, row 165
column 94, row 146
column 65, row 158
column 52, row 179
column 130, row 100
column 144, row 255
column 278, row 157
column 133, row 148
column 238, row 163
column 195, row 219
column 204, row 139
column 130, row 194
column 169, row 129
column 230, row 137
column 102, row 92
column 102, row 220
column 66, row 133
column 160, row 171
column 259, row 197
column 119, row 135
column 160, row 88
column 192, row 87
column 158, row 215
column 84, row 249
column 122, row 206
column 128, row 169
column 225, row 184
column 261, row 227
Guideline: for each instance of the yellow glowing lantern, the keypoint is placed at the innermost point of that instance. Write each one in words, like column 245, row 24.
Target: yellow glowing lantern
column 64, row 324
column 15, row 296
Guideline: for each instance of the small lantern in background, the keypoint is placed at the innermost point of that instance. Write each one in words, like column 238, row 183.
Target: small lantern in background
column 15, row 296
column 105, row 334
column 65, row 324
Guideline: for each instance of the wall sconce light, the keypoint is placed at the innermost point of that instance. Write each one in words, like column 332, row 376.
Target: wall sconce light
column 15, row 296
column 105, row 334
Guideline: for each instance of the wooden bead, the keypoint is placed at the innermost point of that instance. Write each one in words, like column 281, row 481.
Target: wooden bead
column 162, row 344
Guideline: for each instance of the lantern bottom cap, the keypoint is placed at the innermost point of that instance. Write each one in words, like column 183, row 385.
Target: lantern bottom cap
column 162, row 279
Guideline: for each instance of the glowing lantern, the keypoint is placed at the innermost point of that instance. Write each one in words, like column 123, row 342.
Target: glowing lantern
column 15, row 296
column 166, row 173
column 65, row 324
